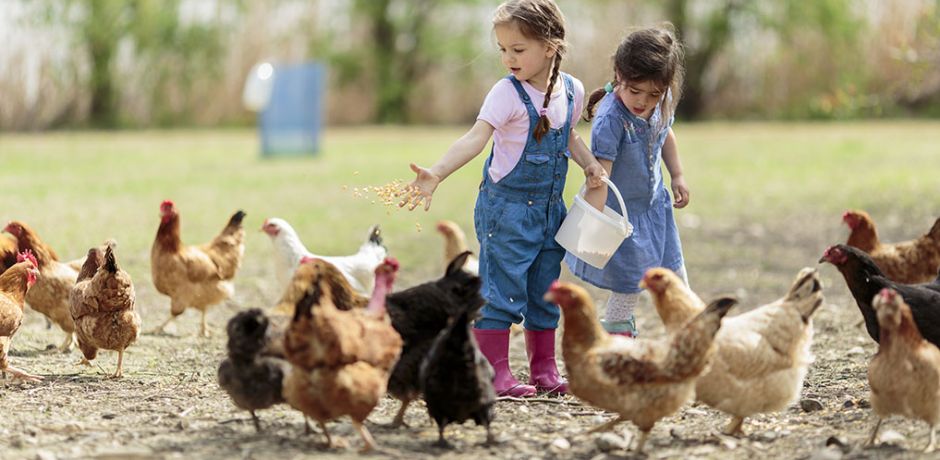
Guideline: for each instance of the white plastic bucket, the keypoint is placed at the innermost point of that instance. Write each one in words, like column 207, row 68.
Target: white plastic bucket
column 591, row 235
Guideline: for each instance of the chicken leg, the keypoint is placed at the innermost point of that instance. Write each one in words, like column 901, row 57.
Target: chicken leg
column 734, row 428
column 607, row 426
column 933, row 440
column 120, row 365
column 644, row 435
column 399, row 420
column 66, row 345
column 159, row 330
column 20, row 374
column 204, row 329
column 369, row 443
column 874, row 433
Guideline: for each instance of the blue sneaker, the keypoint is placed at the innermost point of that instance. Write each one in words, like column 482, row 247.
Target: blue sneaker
column 625, row 328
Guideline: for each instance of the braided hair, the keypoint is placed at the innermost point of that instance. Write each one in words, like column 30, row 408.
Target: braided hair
column 539, row 20
column 653, row 54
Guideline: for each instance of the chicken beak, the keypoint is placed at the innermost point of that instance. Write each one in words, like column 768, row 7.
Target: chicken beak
column 549, row 297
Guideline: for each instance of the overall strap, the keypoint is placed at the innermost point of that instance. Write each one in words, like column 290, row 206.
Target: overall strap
column 526, row 100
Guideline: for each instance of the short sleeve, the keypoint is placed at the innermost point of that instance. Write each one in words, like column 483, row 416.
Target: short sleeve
column 578, row 101
column 606, row 135
column 497, row 109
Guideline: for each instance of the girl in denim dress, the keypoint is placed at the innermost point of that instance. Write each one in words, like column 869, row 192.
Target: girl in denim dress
column 530, row 114
column 631, row 137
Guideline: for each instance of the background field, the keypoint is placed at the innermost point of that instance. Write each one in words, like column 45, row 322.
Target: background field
column 766, row 200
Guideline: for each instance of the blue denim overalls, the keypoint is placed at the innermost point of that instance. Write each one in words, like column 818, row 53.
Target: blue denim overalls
column 516, row 220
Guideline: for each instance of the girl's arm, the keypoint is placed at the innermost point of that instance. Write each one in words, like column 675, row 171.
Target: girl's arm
column 680, row 191
column 460, row 153
column 596, row 194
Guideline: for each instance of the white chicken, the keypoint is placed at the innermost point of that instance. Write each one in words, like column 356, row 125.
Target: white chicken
column 358, row 268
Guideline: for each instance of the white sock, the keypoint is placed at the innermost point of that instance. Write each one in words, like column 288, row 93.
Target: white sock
column 620, row 307
column 684, row 274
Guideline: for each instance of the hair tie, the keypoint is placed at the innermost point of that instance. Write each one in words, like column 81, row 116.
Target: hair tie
column 543, row 111
column 609, row 87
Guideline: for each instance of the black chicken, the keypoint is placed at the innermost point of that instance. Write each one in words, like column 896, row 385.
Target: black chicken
column 253, row 381
column 418, row 314
column 865, row 280
column 457, row 380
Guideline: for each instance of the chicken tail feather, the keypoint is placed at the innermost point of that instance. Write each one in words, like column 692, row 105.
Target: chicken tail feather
column 375, row 235
column 934, row 232
column 110, row 264
column 236, row 220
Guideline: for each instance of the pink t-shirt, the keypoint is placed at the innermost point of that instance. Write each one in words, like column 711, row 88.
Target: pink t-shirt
column 504, row 110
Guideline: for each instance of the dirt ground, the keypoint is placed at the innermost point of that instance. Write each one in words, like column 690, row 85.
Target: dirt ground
column 169, row 405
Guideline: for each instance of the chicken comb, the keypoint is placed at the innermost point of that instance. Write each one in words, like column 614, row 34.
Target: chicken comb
column 392, row 263
column 307, row 260
column 166, row 204
column 27, row 255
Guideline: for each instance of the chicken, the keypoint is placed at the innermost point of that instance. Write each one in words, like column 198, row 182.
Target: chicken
column 253, row 381
column 419, row 314
column 358, row 268
column 864, row 279
column 50, row 294
column 15, row 283
column 341, row 359
column 674, row 301
column 8, row 251
column 905, row 373
column 762, row 356
column 102, row 306
column 642, row 380
column 908, row 262
column 455, row 242
column 456, row 379
column 195, row 276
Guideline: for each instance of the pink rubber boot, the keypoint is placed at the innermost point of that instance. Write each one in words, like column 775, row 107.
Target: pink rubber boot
column 540, row 346
column 494, row 344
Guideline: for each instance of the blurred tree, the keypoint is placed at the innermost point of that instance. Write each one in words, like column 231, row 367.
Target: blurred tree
column 170, row 48
column 404, row 40
column 708, row 28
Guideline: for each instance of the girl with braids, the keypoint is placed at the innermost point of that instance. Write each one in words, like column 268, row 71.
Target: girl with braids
column 631, row 136
column 530, row 114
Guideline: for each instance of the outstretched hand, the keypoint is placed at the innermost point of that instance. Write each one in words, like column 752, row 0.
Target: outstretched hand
column 420, row 190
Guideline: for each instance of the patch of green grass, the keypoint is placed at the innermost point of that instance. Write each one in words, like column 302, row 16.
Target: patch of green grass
column 79, row 188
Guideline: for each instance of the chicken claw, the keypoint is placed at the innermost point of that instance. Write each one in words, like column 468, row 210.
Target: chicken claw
column 369, row 443
column 22, row 375
column 734, row 427
column 607, row 426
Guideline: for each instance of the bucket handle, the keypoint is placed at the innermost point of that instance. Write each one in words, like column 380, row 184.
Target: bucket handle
column 625, row 224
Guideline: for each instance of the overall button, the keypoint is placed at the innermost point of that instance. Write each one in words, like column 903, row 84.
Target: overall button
column 530, row 202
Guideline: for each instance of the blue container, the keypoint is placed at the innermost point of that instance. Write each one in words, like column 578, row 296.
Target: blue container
column 291, row 122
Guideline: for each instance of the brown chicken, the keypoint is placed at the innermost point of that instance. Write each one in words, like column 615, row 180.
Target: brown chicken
column 14, row 285
column 102, row 306
column 642, row 380
column 341, row 359
column 50, row 294
column 8, row 251
column 908, row 262
column 195, row 276
column 905, row 373
column 762, row 355
column 674, row 301
column 455, row 243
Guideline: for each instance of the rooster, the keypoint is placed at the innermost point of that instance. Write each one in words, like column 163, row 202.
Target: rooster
column 905, row 373
column 102, row 306
column 455, row 242
column 864, row 279
column 15, row 283
column 908, row 262
column 50, row 294
column 358, row 268
column 642, row 380
column 762, row 356
column 341, row 359
column 195, row 276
